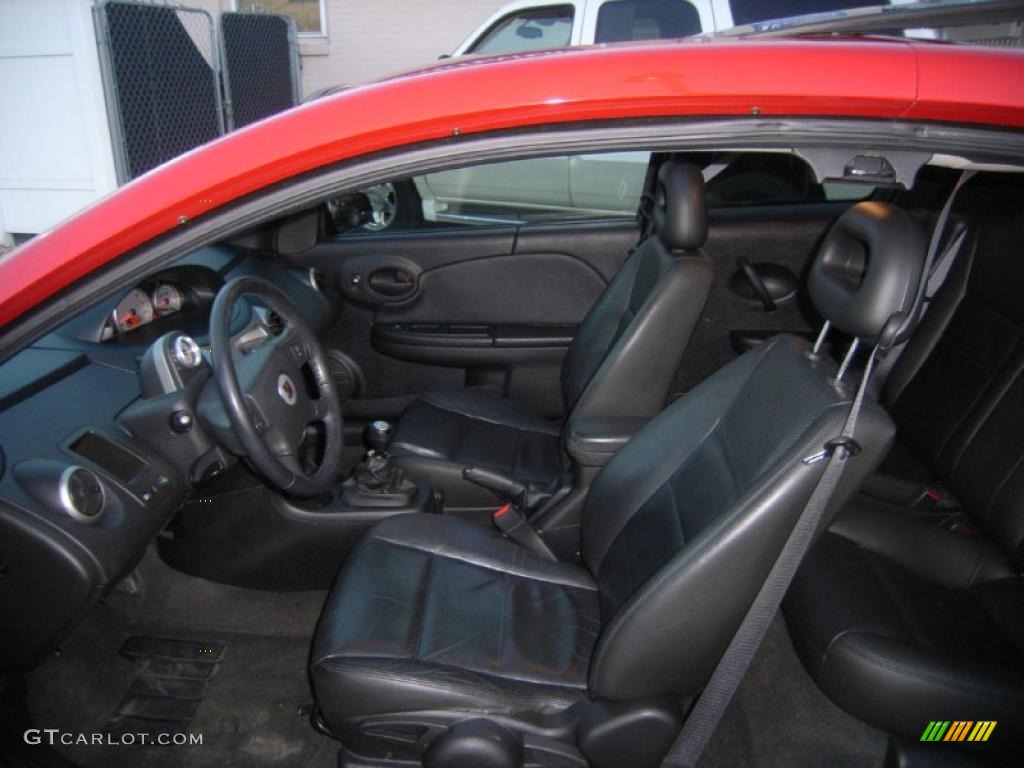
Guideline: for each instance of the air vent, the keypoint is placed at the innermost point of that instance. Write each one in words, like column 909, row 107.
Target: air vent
column 316, row 279
column 274, row 323
column 348, row 378
column 81, row 494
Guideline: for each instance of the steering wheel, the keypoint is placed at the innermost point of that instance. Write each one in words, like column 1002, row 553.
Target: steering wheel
column 265, row 395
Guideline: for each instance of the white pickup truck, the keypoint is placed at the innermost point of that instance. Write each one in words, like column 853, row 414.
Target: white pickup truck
column 527, row 25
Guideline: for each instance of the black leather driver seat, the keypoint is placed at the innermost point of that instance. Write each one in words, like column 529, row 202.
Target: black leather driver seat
column 620, row 364
column 435, row 620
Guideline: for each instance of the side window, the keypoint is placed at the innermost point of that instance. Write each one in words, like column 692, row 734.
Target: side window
column 751, row 11
column 775, row 179
column 621, row 20
column 571, row 187
column 528, row 30
column 567, row 187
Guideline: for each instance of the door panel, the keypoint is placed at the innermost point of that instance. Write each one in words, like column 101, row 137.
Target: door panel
column 528, row 288
column 453, row 307
column 785, row 237
column 498, row 306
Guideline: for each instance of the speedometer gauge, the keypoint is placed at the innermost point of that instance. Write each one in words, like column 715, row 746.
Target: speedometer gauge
column 134, row 310
column 167, row 299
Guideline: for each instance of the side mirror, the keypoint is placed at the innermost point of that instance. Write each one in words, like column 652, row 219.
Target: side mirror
column 350, row 211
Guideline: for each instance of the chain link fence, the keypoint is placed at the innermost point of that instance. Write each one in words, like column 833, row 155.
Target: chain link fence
column 162, row 81
column 259, row 53
column 172, row 83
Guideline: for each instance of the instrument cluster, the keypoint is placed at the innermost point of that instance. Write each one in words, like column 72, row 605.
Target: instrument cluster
column 144, row 305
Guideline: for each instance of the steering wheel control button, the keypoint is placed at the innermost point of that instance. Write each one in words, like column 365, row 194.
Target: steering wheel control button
column 81, row 494
column 181, row 422
column 256, row 414
column 187, row 353
column 286, row 389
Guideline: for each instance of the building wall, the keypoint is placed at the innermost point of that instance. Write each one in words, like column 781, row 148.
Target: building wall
column 368, row 39
column 55, row 154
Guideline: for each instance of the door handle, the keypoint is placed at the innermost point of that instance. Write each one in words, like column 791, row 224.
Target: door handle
column 764, row 282
column 392, row 281
column 760, row 289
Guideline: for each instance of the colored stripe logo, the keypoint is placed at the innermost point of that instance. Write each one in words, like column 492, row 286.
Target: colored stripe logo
column 958, row 730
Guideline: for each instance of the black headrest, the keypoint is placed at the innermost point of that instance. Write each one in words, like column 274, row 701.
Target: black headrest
column 868, row 269
column 680, row 213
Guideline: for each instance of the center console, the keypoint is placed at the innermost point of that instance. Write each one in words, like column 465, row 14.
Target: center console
column 590, row 443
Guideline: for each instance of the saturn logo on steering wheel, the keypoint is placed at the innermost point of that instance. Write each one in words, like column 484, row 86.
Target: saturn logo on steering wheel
column 286, row 389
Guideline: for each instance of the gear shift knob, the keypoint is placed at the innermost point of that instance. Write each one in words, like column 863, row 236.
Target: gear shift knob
column 378, row 436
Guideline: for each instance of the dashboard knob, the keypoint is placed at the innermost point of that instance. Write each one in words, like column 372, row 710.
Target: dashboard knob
column 181, row 422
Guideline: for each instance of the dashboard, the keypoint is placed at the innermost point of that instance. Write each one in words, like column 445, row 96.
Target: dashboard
column 98, row 444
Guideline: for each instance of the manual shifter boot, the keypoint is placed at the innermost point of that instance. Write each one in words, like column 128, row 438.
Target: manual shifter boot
column 376, row 482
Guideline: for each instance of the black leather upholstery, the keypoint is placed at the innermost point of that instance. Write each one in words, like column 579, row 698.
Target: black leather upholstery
column 899, row 649
column 868, row 263
column 680, row 209
column 620, row 364
column 442, row 432
column 436, row 612
column 907, row 615
column 440, row 619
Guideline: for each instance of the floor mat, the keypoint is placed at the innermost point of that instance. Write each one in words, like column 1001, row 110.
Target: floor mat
column 780, row 719
column 173, row 679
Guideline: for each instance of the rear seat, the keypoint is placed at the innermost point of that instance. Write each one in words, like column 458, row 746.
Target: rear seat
column 905, row 614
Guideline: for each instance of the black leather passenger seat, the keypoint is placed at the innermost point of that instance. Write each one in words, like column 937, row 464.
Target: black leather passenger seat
column 906, row 614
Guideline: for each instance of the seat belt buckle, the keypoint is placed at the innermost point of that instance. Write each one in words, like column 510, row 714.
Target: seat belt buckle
column 507, row 518
column 960, row 525
column 933, row 498
column 510, row 520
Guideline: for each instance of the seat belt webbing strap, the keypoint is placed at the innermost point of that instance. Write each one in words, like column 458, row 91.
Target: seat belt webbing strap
column 941, row 269
column 933, row 276
column 928, row 285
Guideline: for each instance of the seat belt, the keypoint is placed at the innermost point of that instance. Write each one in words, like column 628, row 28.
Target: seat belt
column 933, row 277
column 941, row 269
column 935, row 272
column 733, row 665
column 645, row 209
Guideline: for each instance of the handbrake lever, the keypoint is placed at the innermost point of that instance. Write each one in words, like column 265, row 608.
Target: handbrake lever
column 510, row 518
column 508, row 488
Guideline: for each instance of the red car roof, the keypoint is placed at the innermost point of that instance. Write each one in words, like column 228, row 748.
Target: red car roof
column 848, row 78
